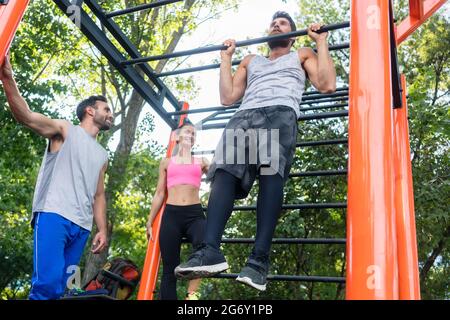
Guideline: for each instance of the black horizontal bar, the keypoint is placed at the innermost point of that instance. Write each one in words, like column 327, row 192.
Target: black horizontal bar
column 319, row 173
column 323, row 115
column 236, row 105
column 324, row 95
column 330, row 106
column 321, row 143
column 238, row 44
column 219, row 118
column 308, row 93
column 141, row 7
column 289, row 241
column 200, row 110
column 309, row 102
column 194, row 69
column 233, row 63
column 304, row 117
column 288, row 278
column 335, row 205
column 282, row 240
column 299, row 145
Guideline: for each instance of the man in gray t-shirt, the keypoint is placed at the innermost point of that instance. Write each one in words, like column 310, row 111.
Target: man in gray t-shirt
column 271, row 89
column 69, row 191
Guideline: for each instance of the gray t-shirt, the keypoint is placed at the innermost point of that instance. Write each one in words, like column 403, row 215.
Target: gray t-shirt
column 67, row 184
column 274, row 82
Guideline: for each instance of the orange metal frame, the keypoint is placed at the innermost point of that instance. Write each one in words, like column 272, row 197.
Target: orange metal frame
column 408, row 267
column 10, row 16
column 420, row 11
column 371, row 242
column 152, row 258
column 382, row 258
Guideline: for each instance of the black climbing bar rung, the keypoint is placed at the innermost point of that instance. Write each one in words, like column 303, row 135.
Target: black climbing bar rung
column 319, row 173
column 299, row 145
column 233, row 63
column 330, row 106
column 304, row 117
column 238, row 44
column 141, row 7
column 309, row 102
column 194, row 69
column 321, row 143
column 323, row 115
column 200, row 110
column 218, row 118
column 335, row 205
column 288, row 278
column 324, row 95
column 289, row 241
column 235, row 106
column 282, row 240
column 201, row 152
column 308, row 93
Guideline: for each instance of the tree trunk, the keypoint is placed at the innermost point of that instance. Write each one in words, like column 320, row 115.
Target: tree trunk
column 116, row 178
column 432, row 258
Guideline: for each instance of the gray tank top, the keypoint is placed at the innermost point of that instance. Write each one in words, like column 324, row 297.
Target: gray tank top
column 68, row 179
column 272, row 83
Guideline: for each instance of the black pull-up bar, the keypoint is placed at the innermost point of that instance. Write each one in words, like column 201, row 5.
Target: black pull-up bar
column 140, row 8
column 238, row 44
column 308, row 98
column 233, row 63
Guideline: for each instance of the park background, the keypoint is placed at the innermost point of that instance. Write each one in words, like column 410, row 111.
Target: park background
column 56, row 66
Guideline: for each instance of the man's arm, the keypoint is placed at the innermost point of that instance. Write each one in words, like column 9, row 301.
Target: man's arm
column 232, row 88
column 320, row 66
column 101, row 238
column 37, row 122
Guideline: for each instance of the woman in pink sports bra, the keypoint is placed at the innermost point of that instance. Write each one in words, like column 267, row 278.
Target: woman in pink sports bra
column 183, row 215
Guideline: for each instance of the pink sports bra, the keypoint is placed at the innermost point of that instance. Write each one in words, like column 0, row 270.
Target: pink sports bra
column 184, row 173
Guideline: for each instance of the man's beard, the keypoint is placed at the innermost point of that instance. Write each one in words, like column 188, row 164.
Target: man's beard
column 280, row 43
column 105, row 127
column 102, row 124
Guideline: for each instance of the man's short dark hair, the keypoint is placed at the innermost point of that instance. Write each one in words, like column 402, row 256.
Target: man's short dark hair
column 89, row 102
column 282, row 14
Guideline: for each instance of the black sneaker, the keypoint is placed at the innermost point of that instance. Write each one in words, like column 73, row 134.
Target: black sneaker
column 203, row 263
column 254, row 274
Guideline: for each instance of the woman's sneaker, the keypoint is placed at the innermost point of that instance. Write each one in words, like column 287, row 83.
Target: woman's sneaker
column 203, row 263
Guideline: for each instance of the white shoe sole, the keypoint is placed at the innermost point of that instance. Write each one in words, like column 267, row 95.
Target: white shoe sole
column 249, row 282
column 201, row 271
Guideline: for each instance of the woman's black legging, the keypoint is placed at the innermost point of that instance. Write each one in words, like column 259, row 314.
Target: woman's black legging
column 177, row 222
column 220, row 206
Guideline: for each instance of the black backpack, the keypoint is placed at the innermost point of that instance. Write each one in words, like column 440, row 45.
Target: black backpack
column 119, row 277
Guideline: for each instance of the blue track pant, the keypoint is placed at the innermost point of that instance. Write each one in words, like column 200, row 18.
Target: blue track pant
column 58, row 246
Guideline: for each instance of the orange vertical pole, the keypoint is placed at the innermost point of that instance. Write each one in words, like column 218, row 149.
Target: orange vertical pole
column 153, row 255
column 10, row 16
column 408, row 264
column 371, row 245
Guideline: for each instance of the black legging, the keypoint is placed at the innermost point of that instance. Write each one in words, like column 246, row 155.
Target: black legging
column 177, row 222
column 221, row 201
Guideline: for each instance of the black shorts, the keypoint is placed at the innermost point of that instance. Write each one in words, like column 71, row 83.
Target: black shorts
column 256, row 141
